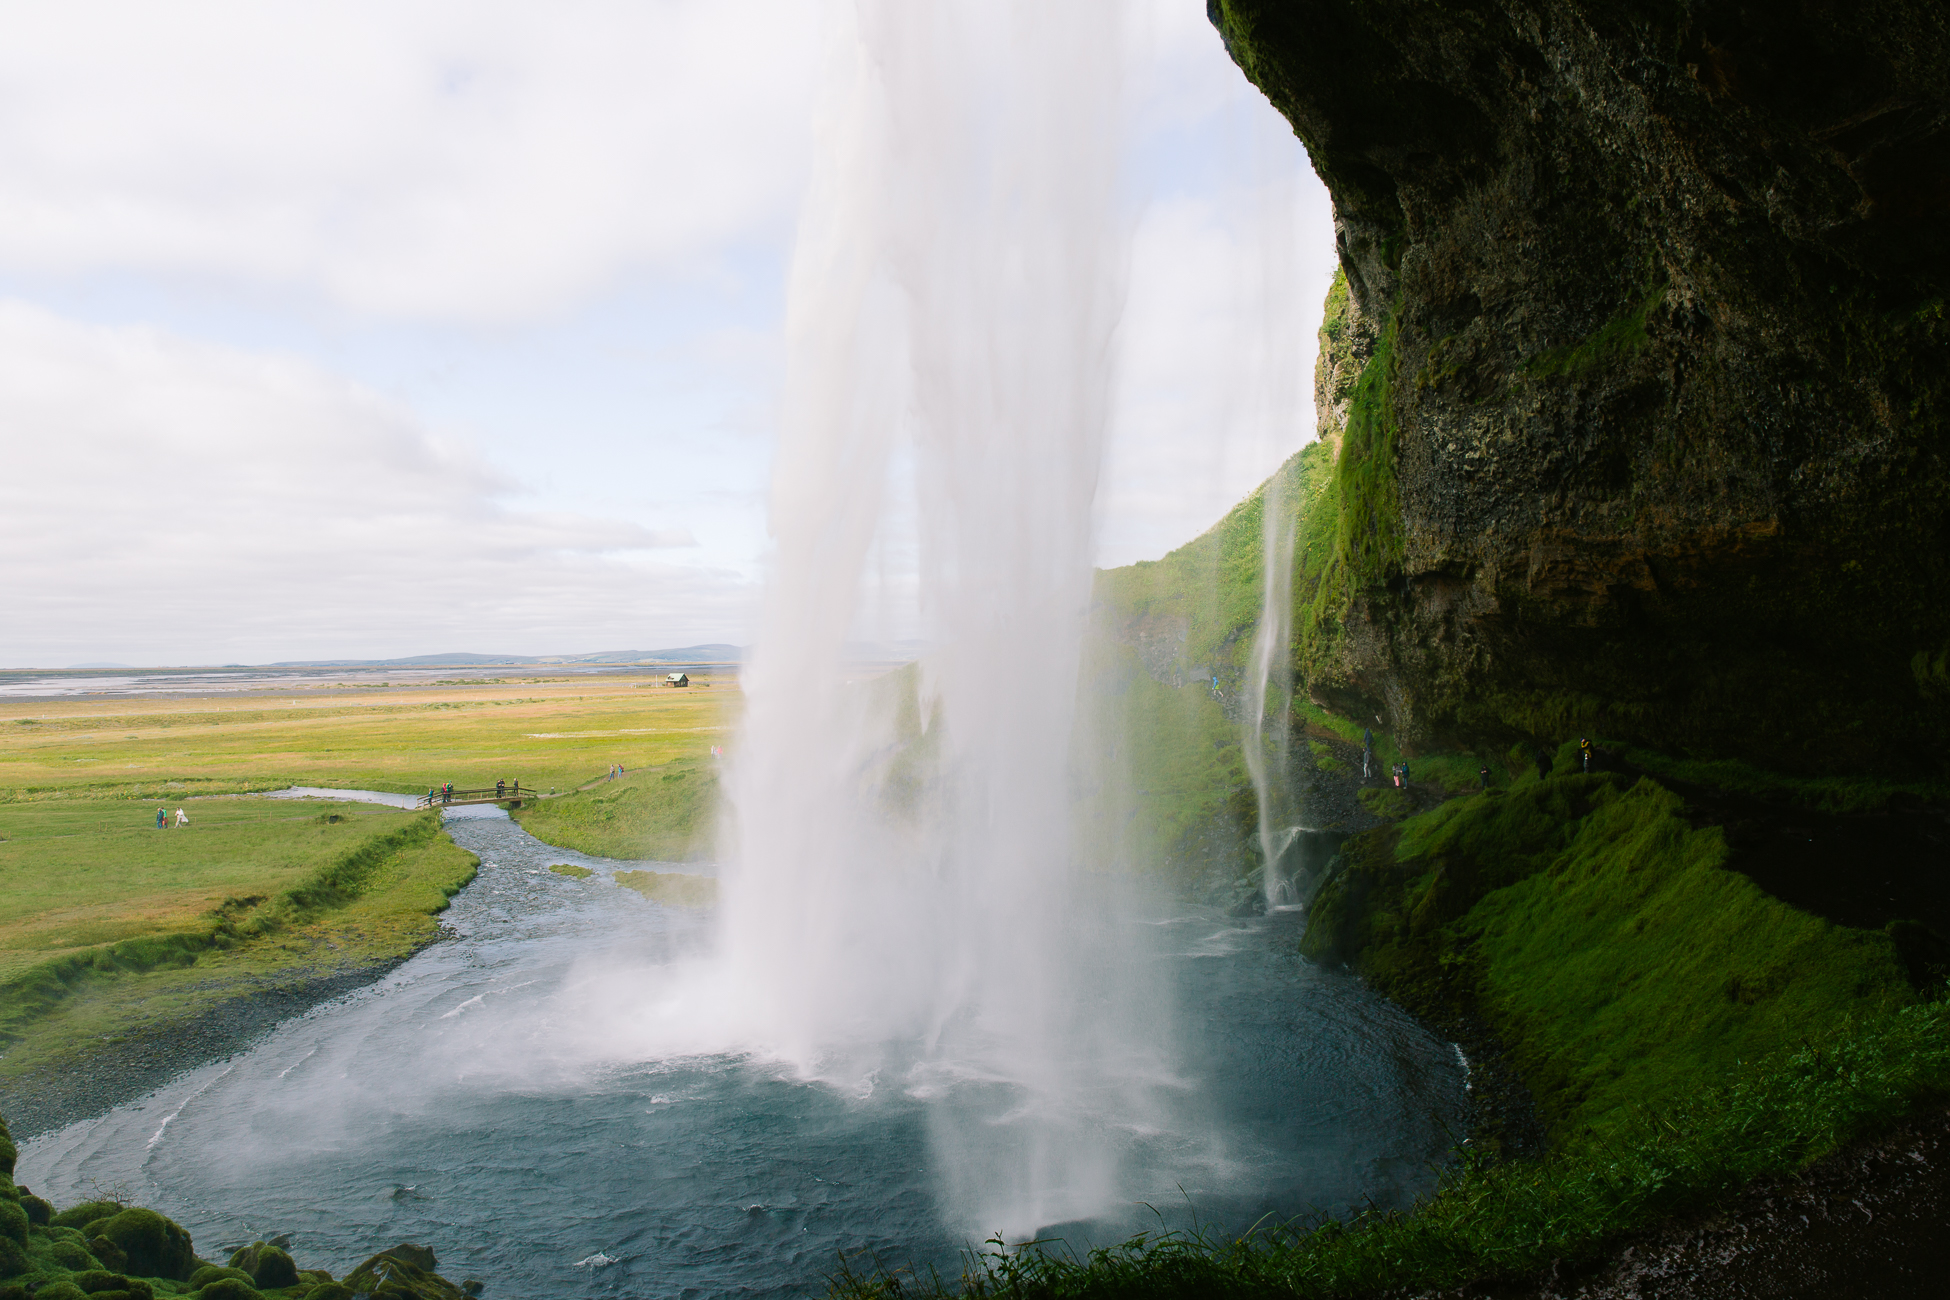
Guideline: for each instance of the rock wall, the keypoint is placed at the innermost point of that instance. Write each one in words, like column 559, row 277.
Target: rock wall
column 1643, row 372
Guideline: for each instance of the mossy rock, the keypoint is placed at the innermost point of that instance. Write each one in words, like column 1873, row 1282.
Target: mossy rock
column 110, row 1254
column 209, row 1273
column 80, row 1216
column 1386, row 802
column 229, row 1288
column 8, row 1152
column 13, row 1258
column 39, row 1212
column 60, row 1291
column 101, row 1282
column 269, row 1267
column 13, row 1291
column 154, row 1246
column 328, row 1291
column 13, row 1222
column 72, row 1255
column 404, row 1272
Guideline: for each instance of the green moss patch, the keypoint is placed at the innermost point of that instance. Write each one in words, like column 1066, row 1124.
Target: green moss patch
column 571, row 870
column 1603, row 939
column 671, row 888
column 1620, row 336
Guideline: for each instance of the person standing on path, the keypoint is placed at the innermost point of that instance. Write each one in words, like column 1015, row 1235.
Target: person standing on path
column 1584, row 748
column 182, row 818
column 1367, row 752
column 162, row 819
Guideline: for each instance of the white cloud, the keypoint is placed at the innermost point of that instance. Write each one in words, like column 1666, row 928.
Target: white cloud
column 1229, row 272
column 452, row 160
column 174, row 501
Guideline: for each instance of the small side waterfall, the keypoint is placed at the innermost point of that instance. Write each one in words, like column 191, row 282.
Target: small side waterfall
column 1269, row 688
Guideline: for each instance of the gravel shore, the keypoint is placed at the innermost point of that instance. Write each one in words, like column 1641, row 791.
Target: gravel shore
column 119, row 1070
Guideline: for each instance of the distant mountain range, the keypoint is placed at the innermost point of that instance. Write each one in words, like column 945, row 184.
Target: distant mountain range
column 691, row 654
column 865, row 652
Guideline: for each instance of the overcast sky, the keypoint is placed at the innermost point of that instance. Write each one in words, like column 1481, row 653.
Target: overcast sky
column 373, row 329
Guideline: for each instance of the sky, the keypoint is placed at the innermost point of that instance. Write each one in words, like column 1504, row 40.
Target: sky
column 376, row 329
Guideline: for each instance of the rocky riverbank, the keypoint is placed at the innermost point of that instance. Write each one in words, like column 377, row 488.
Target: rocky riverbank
column 92, row 1080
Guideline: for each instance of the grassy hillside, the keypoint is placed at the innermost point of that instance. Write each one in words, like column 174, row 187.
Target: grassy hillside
column 289, row 901
column 1167, row 670
column 667, row 813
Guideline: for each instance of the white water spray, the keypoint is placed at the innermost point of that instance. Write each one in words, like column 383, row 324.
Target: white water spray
column 904, row 898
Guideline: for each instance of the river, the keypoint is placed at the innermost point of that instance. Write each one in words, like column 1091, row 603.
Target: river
column 486, row 1099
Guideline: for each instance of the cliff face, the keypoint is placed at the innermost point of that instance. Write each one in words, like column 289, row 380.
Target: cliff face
column 1644, row 371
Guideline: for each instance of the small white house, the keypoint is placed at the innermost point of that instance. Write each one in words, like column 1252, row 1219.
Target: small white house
column 677, row 679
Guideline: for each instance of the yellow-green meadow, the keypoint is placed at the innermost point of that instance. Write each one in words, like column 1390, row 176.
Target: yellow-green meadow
column 113, row 931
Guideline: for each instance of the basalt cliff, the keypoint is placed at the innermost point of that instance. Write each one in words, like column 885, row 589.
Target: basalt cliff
column 1639, row 369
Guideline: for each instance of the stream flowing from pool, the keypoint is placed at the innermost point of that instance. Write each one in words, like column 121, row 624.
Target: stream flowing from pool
column 494, row 1098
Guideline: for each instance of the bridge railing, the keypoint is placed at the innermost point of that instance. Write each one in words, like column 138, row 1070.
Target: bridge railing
column 512, row 790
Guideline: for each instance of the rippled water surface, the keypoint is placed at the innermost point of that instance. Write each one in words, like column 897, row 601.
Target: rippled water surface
column 489, row 1099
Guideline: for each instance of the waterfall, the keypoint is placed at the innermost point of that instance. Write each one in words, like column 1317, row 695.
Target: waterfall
column 1273, row 331
column 902, row 901
column 1270, row 681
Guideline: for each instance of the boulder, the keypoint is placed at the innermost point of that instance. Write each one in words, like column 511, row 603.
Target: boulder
column 13, row 1258
column 107, row 1252
column 87, row 1212
column 38, row 1211
column 153, row 1245
column 269, row 1267
column 229, row 1288
column 404, row 1272
column 209, row 1273
column 101, row 1282
column 72, row 1255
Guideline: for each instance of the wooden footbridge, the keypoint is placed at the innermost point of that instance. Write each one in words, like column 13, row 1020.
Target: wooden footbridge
column 509, row 793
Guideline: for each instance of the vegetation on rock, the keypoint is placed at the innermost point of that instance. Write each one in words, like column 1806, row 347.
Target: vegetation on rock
column 1646, row 308
column 110, row 1251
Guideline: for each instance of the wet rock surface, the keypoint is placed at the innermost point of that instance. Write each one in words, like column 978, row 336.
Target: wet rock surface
column 1651, row 302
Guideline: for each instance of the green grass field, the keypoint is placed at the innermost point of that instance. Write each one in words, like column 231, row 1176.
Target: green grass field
column 666, row 813
column 404, row 740
column 78, row 873
column 110, row 928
